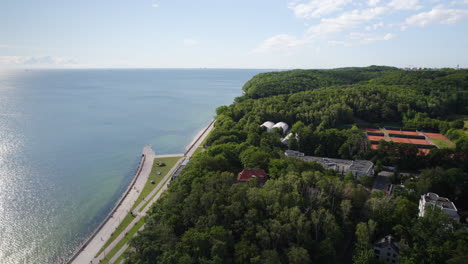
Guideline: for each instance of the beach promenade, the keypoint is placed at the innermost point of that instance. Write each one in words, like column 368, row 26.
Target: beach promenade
column 160, row 188
column 88, row 253
column 191, row 149
column 91, row 247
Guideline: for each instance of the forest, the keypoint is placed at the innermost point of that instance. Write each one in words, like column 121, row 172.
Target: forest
column 305, row 213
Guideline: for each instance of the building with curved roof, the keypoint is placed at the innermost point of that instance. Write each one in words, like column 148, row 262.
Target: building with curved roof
column 269, row 125
column 282, row 125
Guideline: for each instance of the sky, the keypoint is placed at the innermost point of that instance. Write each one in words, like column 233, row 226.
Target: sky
column 269, row 34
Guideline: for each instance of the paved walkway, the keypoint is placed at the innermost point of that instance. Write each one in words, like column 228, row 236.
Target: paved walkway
column 160, row 188
column 87, row 252
column 162, row 182
column 191, row 150
column 197, row 142
column 169, row 155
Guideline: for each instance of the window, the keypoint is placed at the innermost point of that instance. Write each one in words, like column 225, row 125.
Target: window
column 388, row 254
column 377, row 252
column 394, row 255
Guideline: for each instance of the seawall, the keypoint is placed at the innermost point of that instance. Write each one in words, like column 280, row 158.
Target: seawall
column 116, row 206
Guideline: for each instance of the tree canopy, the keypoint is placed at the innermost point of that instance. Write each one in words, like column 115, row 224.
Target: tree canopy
column 305, row 213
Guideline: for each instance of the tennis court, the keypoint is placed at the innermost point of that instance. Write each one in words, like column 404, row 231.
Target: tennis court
column 435, row 135
column 419, row 141
column 401, row 132
column 400, row 140
column 373, row 130
column 375, row 138
column 423, row 151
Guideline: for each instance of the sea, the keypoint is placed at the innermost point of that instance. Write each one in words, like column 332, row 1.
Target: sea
column 71, row 140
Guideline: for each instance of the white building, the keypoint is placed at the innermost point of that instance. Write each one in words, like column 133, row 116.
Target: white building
column 269, row 125
column 285, row 140
column 387, row 250
column 432, row 200
column 283, row 126
column 293, row 153
column 356, row 167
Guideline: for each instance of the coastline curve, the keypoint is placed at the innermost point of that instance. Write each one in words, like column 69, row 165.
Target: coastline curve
column 147, row 151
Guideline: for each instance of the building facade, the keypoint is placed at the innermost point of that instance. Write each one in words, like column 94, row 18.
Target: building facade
column 434, row 201
column 356, row 167
column 387, row 250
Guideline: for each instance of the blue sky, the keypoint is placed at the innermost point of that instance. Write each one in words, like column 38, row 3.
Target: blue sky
column 233, row 34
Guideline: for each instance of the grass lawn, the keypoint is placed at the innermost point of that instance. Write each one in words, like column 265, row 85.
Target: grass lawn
column 151, row 198
column 121, row 257
column 125, row 222
column 443, row 143
column 122, row 242
column 170, row 162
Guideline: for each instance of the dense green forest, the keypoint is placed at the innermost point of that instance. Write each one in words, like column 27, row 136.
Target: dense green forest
column 304, row 213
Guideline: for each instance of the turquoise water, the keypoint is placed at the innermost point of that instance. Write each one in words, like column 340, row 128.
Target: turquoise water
column 70, row 141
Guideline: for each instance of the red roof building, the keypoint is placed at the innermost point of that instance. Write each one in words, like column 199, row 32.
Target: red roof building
column 247, row 174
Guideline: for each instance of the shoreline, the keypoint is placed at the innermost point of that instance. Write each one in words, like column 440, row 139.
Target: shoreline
column 190, row 149
column 147, row 151
column 117, row 204
column 202, row 133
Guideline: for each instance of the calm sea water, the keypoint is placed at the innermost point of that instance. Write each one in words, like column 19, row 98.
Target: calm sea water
column 70, row 141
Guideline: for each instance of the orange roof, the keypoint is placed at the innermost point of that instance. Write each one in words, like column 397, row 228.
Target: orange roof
column 247, row 174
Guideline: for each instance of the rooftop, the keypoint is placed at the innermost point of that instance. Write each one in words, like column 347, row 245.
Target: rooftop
column 361, row 165
column 436, row 200
column 293, row 153
column 247, row 174
column 387, row 241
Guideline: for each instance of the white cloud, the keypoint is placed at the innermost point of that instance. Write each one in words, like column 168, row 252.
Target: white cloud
column 316, row 8
column 375, row 26
column 358, row 38
column 405, row 4
column 190, row 42
column 36, row 61
column 438, row 15
column 155, row 5
column 327, row 26
column 373, row 2
column 346, row 20
column 279, row 42
column 337, row 42
column 370, row 37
